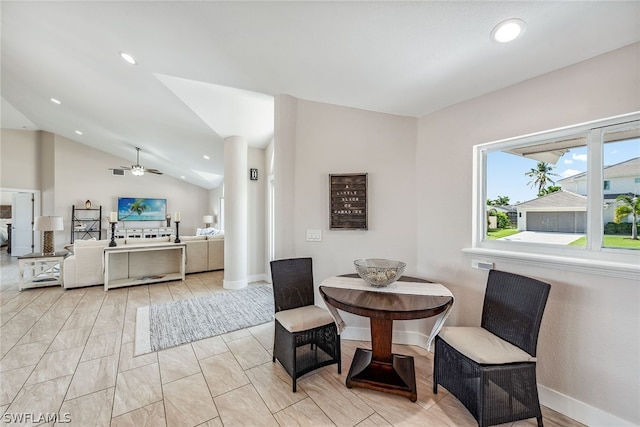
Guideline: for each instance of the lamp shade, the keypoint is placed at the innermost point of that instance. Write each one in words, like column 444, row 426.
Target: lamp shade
column 207, row 219
column 48, row 223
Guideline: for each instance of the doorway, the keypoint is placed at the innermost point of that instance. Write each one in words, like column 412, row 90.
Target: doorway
column 24, row 205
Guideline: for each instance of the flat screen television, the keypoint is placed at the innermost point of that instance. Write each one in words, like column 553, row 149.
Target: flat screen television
column 141, row 209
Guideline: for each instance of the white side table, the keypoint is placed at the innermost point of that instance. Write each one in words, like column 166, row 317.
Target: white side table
column 37, row 269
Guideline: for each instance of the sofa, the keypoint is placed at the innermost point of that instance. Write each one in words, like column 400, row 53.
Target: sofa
column 204, row 253
column 85, row 267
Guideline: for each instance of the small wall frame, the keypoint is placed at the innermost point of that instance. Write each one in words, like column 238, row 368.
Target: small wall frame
column 348, row 201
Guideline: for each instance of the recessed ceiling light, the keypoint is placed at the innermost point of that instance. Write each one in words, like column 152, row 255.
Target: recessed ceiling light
column 206, row 157
column 79, row 132
column 182, row 176
column 56, row 101
column 128, row 58
column 508, row 30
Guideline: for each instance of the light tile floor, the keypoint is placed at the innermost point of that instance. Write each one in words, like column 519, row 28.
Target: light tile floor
column 70, row 352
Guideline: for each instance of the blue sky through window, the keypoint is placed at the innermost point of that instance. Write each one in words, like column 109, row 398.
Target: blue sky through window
column 506, row 172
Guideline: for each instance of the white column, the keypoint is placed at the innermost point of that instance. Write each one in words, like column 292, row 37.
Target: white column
column 235, row 212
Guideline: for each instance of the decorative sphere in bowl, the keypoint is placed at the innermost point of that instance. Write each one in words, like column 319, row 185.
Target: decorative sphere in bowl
column 379, row 272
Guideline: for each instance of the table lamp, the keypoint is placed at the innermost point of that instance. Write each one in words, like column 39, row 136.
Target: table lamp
column 48, row 224
column 208, row 220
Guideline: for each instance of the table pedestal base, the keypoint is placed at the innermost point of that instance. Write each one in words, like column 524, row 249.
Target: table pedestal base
column 397, row 377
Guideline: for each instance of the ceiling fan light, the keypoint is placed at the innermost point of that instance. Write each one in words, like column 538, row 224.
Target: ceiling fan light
column 137, row 170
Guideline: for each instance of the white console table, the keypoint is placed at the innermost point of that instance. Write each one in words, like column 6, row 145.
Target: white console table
column 129, row 265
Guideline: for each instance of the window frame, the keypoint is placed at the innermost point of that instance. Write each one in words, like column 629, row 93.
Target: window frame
column 595, row 259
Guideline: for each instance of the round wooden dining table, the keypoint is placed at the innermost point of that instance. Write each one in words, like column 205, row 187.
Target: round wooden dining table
column 380, row 369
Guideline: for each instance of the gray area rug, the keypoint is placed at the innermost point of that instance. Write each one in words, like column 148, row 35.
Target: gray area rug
column 168, row 325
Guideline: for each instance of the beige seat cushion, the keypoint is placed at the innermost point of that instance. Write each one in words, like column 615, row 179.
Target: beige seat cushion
column 482, row 346
column 303, row 318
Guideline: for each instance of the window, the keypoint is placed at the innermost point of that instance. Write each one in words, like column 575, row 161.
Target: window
column 567, row 196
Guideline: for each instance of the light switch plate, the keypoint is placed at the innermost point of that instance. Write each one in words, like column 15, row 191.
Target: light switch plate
column 314, row 235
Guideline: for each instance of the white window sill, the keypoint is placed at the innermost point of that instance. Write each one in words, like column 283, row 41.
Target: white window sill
column 585, row 265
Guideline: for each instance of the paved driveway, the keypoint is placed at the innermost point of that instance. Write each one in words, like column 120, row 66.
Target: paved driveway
column 544, row 237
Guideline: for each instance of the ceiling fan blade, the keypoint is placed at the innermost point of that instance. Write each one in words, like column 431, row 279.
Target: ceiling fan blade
column 138, row 166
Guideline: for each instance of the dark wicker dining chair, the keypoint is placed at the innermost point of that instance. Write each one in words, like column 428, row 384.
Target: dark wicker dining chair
column 491, row 369
column 306, row 337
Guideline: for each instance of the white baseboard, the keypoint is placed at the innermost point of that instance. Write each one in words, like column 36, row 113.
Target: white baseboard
column 552, row 399
column 579, row 411
column 263, row 277
column 234, row 284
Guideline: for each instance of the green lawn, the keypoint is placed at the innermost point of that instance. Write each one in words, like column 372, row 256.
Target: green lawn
column 611, row 241
column 494, row 234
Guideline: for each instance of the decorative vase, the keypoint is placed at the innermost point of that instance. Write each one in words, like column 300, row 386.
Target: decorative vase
column 87, row 204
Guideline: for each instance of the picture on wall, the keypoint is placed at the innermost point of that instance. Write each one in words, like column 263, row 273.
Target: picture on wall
column 348, row 202
column 141, row 209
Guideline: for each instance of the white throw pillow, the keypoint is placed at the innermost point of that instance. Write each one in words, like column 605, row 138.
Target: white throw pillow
column 207, row 231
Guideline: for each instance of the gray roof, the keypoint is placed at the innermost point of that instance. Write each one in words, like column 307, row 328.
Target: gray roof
column 559, row 199
column 629, row 167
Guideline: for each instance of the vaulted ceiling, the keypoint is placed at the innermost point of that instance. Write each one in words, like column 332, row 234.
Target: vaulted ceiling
column 207, row 70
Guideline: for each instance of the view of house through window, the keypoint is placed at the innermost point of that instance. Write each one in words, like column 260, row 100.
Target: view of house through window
column 540, row 191
column 621, row 200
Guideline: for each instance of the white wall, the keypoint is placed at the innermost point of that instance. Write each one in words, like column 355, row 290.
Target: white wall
column 331, row 139
column 589, row 345
column 256, row 212
column 284, row 153
column 20, row 159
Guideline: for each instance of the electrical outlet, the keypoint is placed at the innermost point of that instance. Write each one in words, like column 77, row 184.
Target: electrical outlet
column 481, row 265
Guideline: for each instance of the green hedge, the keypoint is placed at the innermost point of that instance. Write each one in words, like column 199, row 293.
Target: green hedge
column 621, row 228
column 502, row 219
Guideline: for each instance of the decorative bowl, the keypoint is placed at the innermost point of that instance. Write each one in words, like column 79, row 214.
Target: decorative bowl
column 379, row 272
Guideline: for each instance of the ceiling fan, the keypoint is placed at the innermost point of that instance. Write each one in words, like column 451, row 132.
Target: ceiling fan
column 137, row 169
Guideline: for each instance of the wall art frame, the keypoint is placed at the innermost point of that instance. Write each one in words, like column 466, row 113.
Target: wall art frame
column 348, row 201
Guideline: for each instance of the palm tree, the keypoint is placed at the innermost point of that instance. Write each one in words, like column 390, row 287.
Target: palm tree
column 541, row 176
column 550, row 189
column 138, row 207
column 630, row 206
column 502, row 201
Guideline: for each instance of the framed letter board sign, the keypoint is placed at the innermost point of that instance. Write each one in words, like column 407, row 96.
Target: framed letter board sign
column 348, row 202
